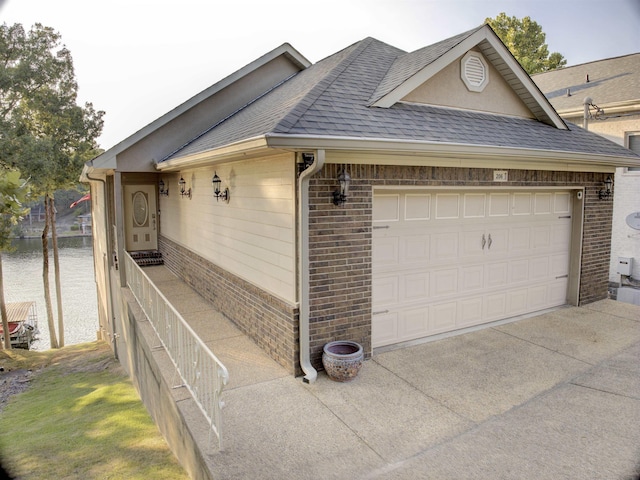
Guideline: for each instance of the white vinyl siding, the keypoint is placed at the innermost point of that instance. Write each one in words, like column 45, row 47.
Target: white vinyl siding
column 252, row 236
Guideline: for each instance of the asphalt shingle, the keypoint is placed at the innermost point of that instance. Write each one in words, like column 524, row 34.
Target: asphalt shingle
column 332, row 98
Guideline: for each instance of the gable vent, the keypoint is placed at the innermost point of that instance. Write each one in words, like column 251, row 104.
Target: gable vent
column 474, row 72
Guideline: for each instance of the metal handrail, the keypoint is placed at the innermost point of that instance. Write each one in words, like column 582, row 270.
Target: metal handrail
column 200, row 370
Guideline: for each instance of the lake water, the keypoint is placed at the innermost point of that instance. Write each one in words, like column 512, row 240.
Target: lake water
column 23, row 282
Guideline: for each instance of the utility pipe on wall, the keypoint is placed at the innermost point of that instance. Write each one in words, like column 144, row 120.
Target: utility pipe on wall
column 303, row 215
column 587, row 103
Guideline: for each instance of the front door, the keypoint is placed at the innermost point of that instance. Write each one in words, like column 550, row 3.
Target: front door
column 140, row 217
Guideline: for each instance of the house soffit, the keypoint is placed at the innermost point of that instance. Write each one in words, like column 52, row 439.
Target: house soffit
column 499, row 56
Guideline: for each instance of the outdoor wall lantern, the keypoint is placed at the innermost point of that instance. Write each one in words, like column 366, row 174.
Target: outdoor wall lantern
column 606, row 192
column 183, row 191
column 215, row 181
column 341, row 194
column 162, row 190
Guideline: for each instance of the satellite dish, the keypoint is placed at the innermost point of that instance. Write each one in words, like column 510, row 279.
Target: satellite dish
column 633, row 220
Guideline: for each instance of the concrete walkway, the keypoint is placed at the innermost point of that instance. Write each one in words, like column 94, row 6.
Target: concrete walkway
column 556, row 396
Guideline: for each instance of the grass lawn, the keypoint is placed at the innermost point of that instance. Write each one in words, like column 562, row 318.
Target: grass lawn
column 80, row 417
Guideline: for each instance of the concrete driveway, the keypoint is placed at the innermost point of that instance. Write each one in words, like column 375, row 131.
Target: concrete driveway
column 555, row 396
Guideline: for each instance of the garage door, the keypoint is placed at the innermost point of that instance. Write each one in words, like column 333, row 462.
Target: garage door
column 447, row 260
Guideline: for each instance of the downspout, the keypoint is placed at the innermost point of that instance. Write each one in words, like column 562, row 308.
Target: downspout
column 303, row 240
column 108, row 279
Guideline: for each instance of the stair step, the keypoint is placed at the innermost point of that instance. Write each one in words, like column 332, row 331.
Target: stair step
column 146, row 259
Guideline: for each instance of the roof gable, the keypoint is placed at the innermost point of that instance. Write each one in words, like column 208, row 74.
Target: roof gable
column 411, row 70
column 280, row 62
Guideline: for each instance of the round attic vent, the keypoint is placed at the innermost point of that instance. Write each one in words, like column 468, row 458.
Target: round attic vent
column 474, row 72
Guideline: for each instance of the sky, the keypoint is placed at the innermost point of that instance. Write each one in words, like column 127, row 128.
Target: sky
column 138, row 59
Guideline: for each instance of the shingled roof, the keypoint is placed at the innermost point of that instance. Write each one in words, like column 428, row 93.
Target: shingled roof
column 333, row 99
column 609, row 81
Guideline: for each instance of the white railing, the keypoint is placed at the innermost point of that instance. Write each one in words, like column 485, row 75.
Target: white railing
column 200, row 370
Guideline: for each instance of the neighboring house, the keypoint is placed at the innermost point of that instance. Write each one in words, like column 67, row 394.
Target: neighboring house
column 612, row 90
column 470, row 199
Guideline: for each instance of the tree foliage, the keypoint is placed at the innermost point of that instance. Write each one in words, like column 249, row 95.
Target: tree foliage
column 43, row 132
column 526, row 41
column 14, row 192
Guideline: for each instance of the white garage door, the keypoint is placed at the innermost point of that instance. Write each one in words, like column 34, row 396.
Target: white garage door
column 447, row 260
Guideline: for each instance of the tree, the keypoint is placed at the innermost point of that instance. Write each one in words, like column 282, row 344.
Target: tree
column 43, row 132
column 13, row 193
column 526, row 41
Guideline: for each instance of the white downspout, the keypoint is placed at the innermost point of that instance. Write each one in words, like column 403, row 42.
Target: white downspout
column 303, row 217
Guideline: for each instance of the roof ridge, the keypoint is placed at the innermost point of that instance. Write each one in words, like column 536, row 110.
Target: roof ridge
column 298, row 110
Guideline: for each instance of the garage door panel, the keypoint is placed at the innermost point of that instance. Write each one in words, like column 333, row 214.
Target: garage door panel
column 499, row 204
column 417, row 207
column 472, row 278
column 557, row 292
column 521, row 204
column 541, row 236
column 444, row 246
column 519, row 271
column 495, row 306
column 449, row 260
column 470, row 312
column 539, row 268
column 416, row 286
column 414, row 323
column 471, row 243
column 474, row 205
column 519, row 240
column 385, row 328
column 562, row 203
column 561, row 235
column 497, row 274
column 537, row 297
column 443, row 317
column 386, row 208
column 516, row 302
column 386, row 291
column 444, row 282
column 542, row 203
column 415, row 250
column 559, row 265
column 386, row 251
column 497, row 241
column 447, row 206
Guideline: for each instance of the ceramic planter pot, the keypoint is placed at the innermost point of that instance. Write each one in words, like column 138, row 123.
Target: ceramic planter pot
column 342, row 360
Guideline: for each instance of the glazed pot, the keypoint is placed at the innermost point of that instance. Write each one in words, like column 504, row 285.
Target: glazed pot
column 342, row 360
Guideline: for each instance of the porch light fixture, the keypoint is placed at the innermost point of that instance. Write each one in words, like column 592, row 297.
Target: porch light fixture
column 161, row 188
column 183, row 191
column 216, row 182
column 606, row 192
column 341, row 194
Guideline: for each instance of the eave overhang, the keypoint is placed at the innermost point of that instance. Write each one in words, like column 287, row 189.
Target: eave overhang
column 404, row 152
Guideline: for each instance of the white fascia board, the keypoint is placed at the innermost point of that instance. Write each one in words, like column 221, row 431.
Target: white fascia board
column 236, row 151
column 444, row 150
